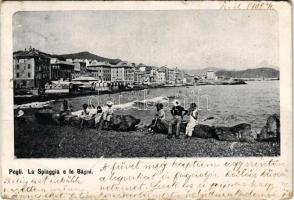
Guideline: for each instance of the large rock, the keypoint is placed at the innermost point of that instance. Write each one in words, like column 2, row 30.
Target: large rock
column 118, row 122
column 123, row 122
column 271, row 130
column 201, row 130
column 47, row 116
column 238, row 133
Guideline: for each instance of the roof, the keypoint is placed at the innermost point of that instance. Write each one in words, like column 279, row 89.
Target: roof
column 122, row 64
column 98, row 64
column 32, row 52
column 61, row 62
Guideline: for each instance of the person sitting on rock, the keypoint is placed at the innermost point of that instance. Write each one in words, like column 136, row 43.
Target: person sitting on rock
column 64, row 110
column 85, row 116
column 98, row 116
column 178, row 113
column 193, row 114
column 159, row 116
column 107, row 115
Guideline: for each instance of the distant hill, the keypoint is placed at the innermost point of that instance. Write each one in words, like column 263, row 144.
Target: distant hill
column 250, row 73
column 201, row 71
column 88, row 55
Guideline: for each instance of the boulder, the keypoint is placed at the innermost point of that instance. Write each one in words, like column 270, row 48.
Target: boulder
column 238, row 133
column 204, row 131
column 271, row 130
column 201, row 130
column 161, row 127
column 46, row 116
column 123, row 122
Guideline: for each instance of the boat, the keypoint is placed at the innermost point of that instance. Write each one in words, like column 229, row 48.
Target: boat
column 57, row 87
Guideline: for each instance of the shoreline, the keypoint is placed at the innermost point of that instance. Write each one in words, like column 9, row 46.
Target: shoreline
column 24, row 99
column 19, row 100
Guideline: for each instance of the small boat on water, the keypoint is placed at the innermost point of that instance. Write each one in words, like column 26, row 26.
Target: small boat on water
column 60, row 87
column 231, row 81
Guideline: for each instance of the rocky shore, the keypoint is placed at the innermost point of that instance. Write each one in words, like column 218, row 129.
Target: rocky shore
column 40, row 136
column 238, row 133
column 51, row 141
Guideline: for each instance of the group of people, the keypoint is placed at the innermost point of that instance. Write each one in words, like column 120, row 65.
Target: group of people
column 99, row 119
column 178, row 112
column 102, row 118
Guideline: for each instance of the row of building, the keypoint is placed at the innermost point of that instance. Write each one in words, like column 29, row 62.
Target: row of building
column 33, row 69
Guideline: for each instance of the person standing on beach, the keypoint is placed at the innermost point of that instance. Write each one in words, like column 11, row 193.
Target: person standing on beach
column 107, row 115
column 193, row 114
column 178, row 113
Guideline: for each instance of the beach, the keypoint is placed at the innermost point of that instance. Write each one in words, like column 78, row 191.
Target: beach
column 50, row 141
column 44, row 140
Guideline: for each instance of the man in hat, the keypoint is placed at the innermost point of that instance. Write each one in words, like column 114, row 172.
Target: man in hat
column 107, row 115
column 178, row 113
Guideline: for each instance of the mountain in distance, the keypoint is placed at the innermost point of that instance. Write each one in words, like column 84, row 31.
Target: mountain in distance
column 88, row 55
column 201, row 71
column 263, row 72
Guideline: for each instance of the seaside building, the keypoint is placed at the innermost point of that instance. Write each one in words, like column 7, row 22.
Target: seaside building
column 190, row 78
column 31, row 69
column 123, row 71
column 179, row 75
column 161, row 75
column 60, row 69
column 82, row 65
column 141, row 67
column 77, row 70
column 154, row 76
column 165, row 70
column 139, row 76
column 100, row 70
column 210, row 75
column 171, row 76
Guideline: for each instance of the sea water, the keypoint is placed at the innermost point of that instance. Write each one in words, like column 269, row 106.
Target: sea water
column 228, row 105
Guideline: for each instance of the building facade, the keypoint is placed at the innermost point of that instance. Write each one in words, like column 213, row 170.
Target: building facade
column 122, row 71
column 139, row 76
column 210, row 75
column 171, row 76
column 161, row 76
column 31, row 69
column 64, row 70
column 82, row 65
column 100, row 70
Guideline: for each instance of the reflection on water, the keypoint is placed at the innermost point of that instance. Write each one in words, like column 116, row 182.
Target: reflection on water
column 228, row 104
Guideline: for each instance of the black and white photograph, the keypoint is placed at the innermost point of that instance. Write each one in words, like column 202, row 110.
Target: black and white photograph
column 146, row 83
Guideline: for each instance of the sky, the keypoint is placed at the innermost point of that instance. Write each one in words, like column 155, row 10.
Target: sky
column 191, row 39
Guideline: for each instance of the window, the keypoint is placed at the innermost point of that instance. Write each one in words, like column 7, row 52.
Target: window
column 29, row 66
column 17, row 66
column 29, row 74
column 24, row 67
column 17, row 75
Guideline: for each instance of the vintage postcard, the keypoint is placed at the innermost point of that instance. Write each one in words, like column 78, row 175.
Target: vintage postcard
column 146, row 100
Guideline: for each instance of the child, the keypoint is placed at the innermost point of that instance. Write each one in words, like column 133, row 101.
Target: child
column 85, row 115
column 64, row 110
column 193, row 114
